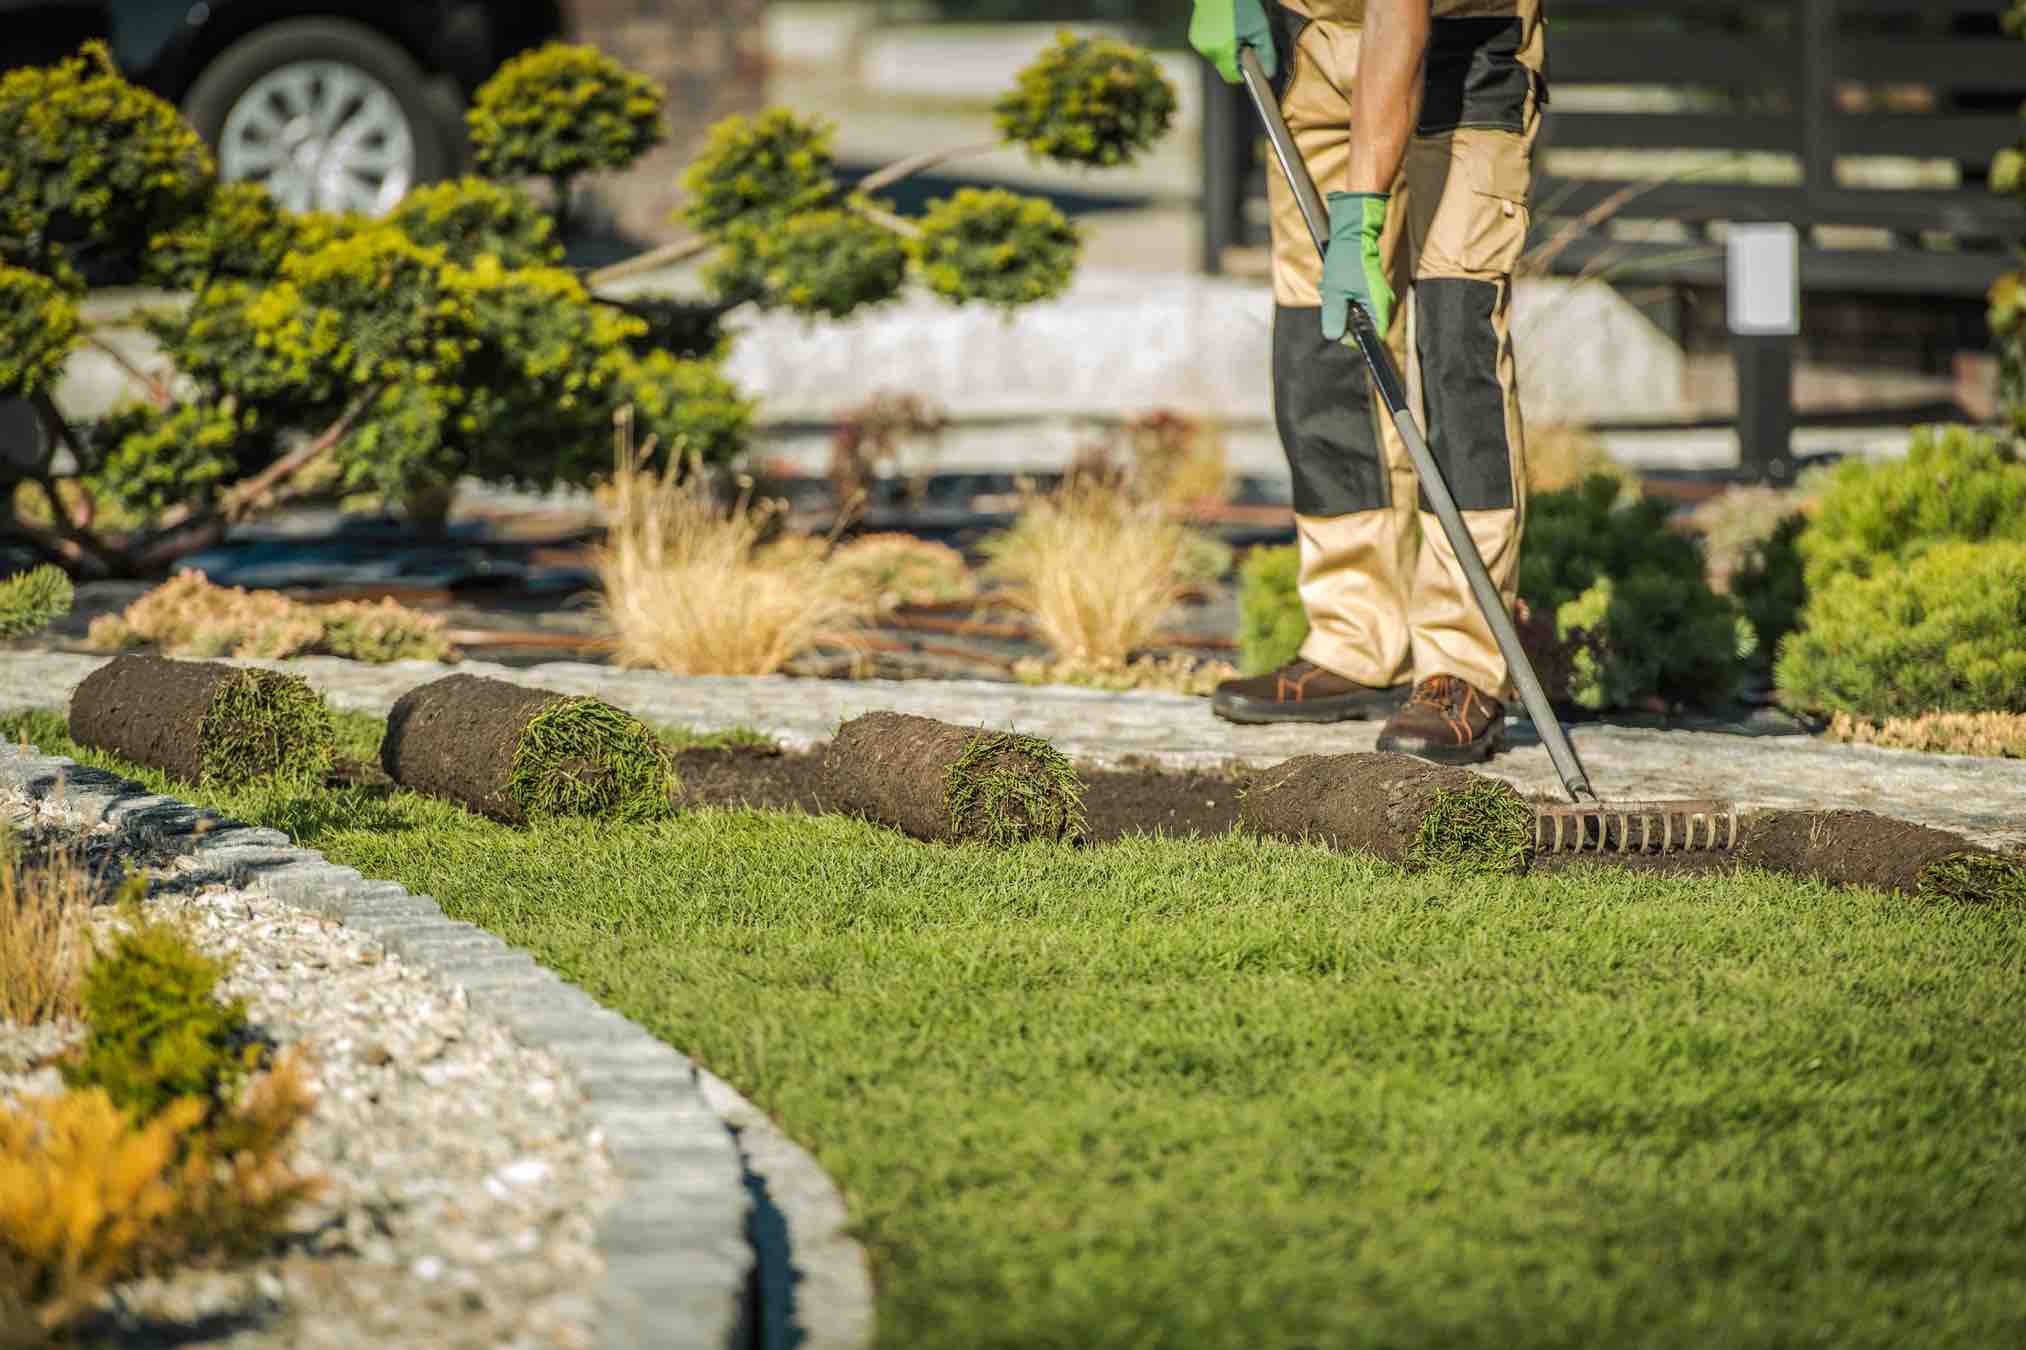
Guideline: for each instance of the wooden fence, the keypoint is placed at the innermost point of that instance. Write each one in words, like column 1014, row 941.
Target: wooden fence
column 1870, row 124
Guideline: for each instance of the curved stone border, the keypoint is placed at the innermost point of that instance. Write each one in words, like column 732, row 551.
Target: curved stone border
column 680, row 1267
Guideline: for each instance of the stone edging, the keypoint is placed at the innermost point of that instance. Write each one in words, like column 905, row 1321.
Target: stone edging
column 680, row 1269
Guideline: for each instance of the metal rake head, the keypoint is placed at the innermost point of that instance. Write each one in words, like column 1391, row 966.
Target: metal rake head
column 1635, row 827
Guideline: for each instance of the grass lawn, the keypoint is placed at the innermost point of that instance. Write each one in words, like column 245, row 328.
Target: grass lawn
column 1235, row 1094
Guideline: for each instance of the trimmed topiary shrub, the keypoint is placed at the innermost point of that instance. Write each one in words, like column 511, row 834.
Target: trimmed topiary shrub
column 1954, row 484
column 1088, row 101
column 472, row 218
column 38, row 329
column 239, row 232
column 996, row 247
column 1945, row 632
column 1271, row 622
column 754, row 172
column 562, row 111
column 827, row 263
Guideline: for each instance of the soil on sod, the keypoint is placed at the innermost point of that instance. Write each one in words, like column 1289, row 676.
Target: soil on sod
column 514, row 753
column 947, row 783
column 203, row 721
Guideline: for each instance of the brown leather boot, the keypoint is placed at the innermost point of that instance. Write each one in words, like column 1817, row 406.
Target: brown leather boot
column 1448, row 721
column 1302, row 691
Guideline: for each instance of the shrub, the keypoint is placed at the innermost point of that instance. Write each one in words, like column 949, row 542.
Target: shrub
column 90, row 164
column 1653, row 634
column 33, row 600
column 755, row 172
column 188, row 615
column 89, row 1195
column 1770, row 589
column 472, row 218
column 561, row 111
column 1096, row 569
column 1088, row 101
column 38, row 329
column 1945, row 632
column 996, row 247
column 827, row 263
column 238, row 232
column 1560, row 457
column 1272, row 624
column 2007, row 315
column 886, row 571
column 1577, row 537
column 1954, row 484
column 688, row 590
column 158, row 1032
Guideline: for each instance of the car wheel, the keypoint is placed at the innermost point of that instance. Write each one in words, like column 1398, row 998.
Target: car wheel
column 327, row 114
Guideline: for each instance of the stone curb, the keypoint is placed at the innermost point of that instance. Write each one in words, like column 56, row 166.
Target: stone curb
column 679, row 1255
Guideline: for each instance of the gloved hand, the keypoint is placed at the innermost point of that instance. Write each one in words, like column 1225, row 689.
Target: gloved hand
column 1352, row 266
column 1219, row 28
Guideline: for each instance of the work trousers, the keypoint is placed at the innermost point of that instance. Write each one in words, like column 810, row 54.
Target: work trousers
column 1385, row 595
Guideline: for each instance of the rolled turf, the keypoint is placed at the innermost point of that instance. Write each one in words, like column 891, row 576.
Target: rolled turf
column 1404, row 810
column 521, row 755
column 1859, row 848
column 952, row 784
column 204, row 721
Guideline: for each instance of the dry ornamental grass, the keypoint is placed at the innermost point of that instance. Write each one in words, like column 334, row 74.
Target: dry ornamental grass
column 45, row 915
column 1096, row 570
column 688, row 589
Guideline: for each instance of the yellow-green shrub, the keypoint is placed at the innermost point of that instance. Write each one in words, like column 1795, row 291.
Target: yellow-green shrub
column 560, row 111
column 1955, row 484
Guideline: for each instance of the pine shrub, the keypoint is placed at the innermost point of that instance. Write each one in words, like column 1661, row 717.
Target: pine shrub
column 1272, row 625
column 158, row 1031
column 825, row 264
column 38, row 329
column 1944, row 632
column 471, row 218
column 996, row 247
column 1954, row 484
column 1769, row 587
column 755, row 172
column 33, row 600
column 560, row 111
column 1088, row 100
column 1653, row 634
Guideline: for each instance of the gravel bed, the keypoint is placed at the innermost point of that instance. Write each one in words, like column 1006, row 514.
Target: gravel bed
column 465, row 1180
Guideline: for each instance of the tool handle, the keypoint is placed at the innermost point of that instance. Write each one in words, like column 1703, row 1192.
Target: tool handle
column 1393, row 393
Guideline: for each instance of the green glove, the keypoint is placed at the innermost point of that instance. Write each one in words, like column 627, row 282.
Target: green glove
column 1220, row 27
column 1352, row 267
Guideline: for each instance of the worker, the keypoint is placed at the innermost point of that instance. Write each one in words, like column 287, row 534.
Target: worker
column 1417, row 119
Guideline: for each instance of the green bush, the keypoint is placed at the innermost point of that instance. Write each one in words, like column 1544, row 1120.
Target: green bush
column 561, row 111
column 1088, row 101
column 1953, row 484
column 33, row 600
column 1943, row 632
column 472, row 218
column 1272, row 625
column 238, row 232
column 755, row 172
column 1653, row 634
column 158, row 1031
column 38, row 329
column 2007, row 316
column 826, row 263
column 1769, row 587
column 996, row 247
column 1631, row 596
column 90, row 163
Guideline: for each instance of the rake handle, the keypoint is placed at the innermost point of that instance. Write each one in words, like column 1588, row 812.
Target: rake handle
column 1393, row 392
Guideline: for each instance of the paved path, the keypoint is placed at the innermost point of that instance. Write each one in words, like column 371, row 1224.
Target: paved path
column 1984, row 798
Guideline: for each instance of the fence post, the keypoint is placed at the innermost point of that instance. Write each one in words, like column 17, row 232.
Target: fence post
column 1764, row 305
column 1223, row 184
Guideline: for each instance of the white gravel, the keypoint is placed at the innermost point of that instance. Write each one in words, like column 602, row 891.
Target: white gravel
column 465, row 1181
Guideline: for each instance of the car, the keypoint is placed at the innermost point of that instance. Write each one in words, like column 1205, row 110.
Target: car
column 339, row 106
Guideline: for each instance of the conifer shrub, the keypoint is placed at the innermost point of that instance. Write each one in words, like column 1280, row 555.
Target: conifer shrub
column 1088, row 100
column 827, row 264
column 1955, row 484
column 1770, row 588
column 996, row 247
column 754, row 172
column 238, row 233
column 1271, row 622
column 33, row 600
column 1653, row 634
column 562, row 111
column 471, row 218
column 159, row 1033
column 1944, row 632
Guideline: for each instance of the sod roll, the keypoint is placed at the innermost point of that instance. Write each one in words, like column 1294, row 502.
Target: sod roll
column 203, row 721
column 1858, row 848
column 1404, row 810
column 522, row 755
column 952, row 784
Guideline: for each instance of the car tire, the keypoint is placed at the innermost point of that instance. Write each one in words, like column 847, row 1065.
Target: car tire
column 356, row 54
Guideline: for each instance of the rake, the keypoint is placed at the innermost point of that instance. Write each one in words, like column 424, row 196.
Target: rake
column 1585, row 822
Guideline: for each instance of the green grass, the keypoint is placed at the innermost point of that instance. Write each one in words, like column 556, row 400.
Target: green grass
column 1006, row 788
column 584, row 757
column 261, row 721
column 1238, row 1094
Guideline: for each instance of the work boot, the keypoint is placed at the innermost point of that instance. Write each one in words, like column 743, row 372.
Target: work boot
column 1448, row 721
column 1301, row 691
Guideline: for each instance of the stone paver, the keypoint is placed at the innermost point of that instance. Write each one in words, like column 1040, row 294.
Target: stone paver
column 1983, row 798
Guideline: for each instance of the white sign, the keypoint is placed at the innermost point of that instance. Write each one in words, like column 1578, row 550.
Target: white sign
column 1765, row 280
